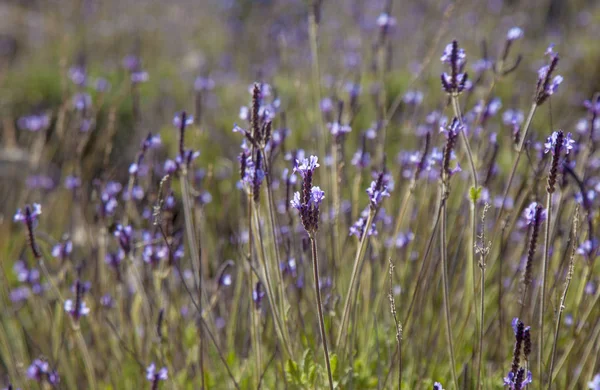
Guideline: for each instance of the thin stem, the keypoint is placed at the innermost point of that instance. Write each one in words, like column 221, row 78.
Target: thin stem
column 446, row 293
column 191, row 238
column 564, row 295
column 515, row 164
column 254, row 315
column 357, row 265
column 315, row 260
column 271, row 207
column 87, row 360
column 473, row 205
column 480, row 358
column 457, row 113
column 543, row 283
column 269, row 284
column 483, row 250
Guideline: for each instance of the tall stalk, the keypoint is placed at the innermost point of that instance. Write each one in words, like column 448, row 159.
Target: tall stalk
column 473, row 202
column 563, row 298
column 358, row 260
column 280, row 329
column 483, row 250
column 446, row 293
column 193, row 247
column 315, row 261
column 515, row 164
column 271, row 207
column 543, row 283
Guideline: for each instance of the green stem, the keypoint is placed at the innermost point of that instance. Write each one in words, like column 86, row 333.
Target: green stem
column 315, row 264
column 543, row 283
column 269, row 285
column 192, row 244
column 357, row 265
column 446, row 293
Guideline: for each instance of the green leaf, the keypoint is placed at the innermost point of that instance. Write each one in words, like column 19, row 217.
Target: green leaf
column 475, row 194
column 292, row 372
column 333, row 360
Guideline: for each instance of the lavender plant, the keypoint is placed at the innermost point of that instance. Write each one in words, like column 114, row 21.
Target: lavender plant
column 156, row 266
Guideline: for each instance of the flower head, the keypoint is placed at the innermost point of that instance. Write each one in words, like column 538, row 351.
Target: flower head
column 306, row 166
column 547, row 85
column 514, row 33
column 456, row 81
column 154, row 376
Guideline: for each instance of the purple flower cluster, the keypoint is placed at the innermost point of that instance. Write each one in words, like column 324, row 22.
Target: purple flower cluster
column 547, row 85
column 518, row 377
column 551, row 143
column 456, row 81
column 155, row 376
column 378, row 190
column 308, row 202
column 29, row 216
column 39, row 371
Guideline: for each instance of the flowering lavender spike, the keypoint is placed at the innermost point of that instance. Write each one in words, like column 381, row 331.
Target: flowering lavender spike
column 29, row 217
column 378, row 190
column 555, row 143
column 546, row 85
column 455, row 82
column 307, row 203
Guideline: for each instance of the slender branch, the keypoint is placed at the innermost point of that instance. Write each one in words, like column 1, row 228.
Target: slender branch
column 315, row 264
column 357, row 265
column 564, row 295
column 446, row 293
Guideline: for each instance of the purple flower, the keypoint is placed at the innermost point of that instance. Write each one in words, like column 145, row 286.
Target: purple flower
column 63, row 249
column 189, row 120
column 82, row 310
column 29, row 216
column 546, row 85
column 316, row 196
column 72, row 182
column 437, row 386
column 358, row 228
column 107, row 301
column 337, row 129
column 594, row 384
column 34, row 123
column 37, row 370
column 114, row 259
column 550, row 144
column 124, row 235
column 139, row 77
column 452, row 50
column 78, row 75
column 514, row 34
column 592, row 107
column 154, row 376
column 530, row 211
column 377, row 191
column 307, row 165
column 385, row 20
column 456, row 81
column 82, row 101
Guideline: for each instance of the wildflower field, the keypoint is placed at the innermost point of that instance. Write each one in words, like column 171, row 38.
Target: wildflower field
column 299, row 194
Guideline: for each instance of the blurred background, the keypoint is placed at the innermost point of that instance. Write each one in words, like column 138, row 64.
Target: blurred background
column 229, row 44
